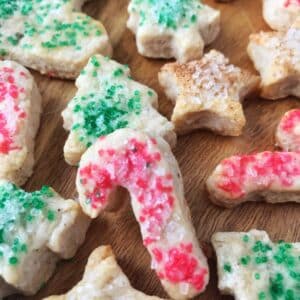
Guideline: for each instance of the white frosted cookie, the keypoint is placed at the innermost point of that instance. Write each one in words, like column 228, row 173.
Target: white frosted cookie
column 174, row 28
column 103, row 279
column 281, row 14
column 36, row 230
column 252, row 267
column 50, row 36
column 20, row 109
column 270, row 176
column 288, row 131
column 276, row 56
column 108, row 99
column 207, row 94
column 146, row 167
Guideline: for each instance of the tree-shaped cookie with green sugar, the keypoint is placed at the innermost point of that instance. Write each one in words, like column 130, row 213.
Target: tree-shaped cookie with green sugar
column 252, row 267
column 51, row 36
column 109, row 99
column 36, row 230
column 173, row 28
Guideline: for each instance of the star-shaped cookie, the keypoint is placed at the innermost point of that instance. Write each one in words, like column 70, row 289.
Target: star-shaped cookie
column 36, row 230
column 207, row 94
column 50, row 36
column 251, row 266
column 146, row 167
column 103, row 279
column 108, row 99
column 20, row 109
column 276, row 56
column 281, row 14
column 174, row 28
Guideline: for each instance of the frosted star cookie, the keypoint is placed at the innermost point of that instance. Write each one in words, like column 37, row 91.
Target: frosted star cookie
column 147, row 168
column 270, row 176
column 176, row 28
column 207, row 94
column 288, row 131
column 276, row 56
column 50, row 36
column 251, row 266
column 281, row 14
column 36, row 230
column 108, row 99
column 103, row 279
column 20, row 109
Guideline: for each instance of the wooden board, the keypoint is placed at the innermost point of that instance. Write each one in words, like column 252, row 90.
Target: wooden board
column 197, row 154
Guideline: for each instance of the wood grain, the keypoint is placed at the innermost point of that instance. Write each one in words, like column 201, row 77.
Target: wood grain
column 197, row 154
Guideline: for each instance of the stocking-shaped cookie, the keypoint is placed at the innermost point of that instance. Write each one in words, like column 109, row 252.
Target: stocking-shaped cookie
column 103, row 279
column 281, row 14
column 147, row 168
column 108, row 99
column 207, row 94
column 288, row 131
column 173, row 28
column 270, row 176
column 36, row 230
column 251, row 266
column 50, row 36
column 276, row 56
column 20, row 109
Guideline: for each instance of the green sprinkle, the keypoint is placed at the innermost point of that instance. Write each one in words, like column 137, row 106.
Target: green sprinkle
column 245, row 260
column 227, row 268
column 246, row 238
column 13, row 260
column 118, row 72
column 95, row 62
column 262, row 296
column 51, row 215
column 257, row 276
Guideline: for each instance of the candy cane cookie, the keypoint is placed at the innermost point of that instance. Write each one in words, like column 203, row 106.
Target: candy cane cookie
column 103, row 279
column 147, row 168
column 50, row 36
column 36, row 230
column 288, row 131
column 270, row 176
column 20, row 109
column 109, row 99
column 208, row 94
column 174, row 28
column 252, row 267
column 276, row 56
column 281, row 14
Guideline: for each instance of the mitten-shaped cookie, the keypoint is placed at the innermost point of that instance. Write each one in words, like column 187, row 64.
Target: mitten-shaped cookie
column 252, row 267
column 52, row 37
column 36, row 230
column 276, row 56
column 109, row 99
column 103, row 279
column 281, row 14
column 20, row 109
column 270, row 176
column 207, row 94
column 146, row 167
column 173, row 28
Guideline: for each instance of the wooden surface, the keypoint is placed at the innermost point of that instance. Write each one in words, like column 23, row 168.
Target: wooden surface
column 197, row 154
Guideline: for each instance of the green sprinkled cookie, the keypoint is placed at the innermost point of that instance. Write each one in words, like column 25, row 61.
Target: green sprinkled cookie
column 109, row 99
column 251, row 266
column 36, row 230
column 51, row 36
column 173, row 28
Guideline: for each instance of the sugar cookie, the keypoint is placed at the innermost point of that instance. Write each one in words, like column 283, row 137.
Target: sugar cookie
column 36, row 230
column 148, row 169
column 20, row 109
column 174, row 28
column 207, row 94
column 251, row 266
column 108, row 99
column 50, row 36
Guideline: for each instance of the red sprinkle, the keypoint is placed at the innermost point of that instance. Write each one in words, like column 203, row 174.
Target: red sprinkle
column 290, row 120
column 287, row 3
column 259, row 170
